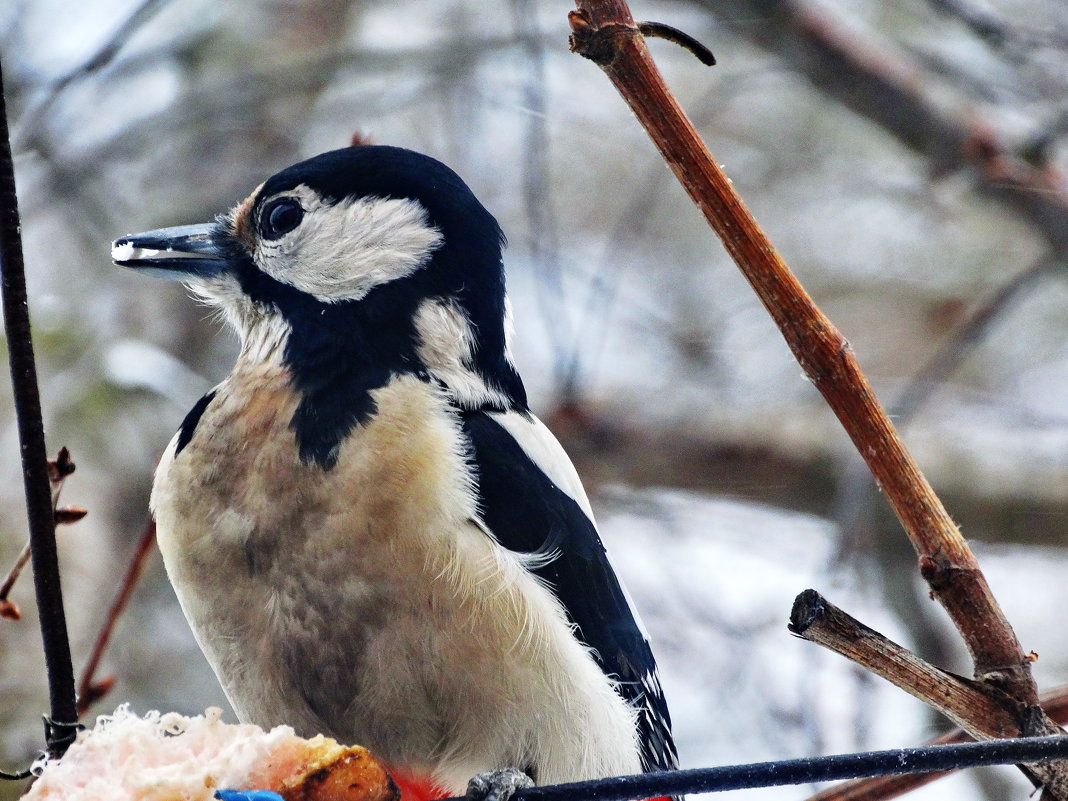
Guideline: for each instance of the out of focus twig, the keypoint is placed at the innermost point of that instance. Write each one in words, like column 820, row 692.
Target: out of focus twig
column 58, row 470
column 883, row 83
column 91, row 689
column 964, row 339
column 1000, row 32
column 103, row 56
column 855, row 491
column 537, row 198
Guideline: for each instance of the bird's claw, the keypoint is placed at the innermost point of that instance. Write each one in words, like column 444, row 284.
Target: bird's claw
column 497, row 785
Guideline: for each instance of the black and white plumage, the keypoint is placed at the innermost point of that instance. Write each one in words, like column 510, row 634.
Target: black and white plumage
column 370, row 533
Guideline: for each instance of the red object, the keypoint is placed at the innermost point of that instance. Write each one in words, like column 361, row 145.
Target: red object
column 416, row 788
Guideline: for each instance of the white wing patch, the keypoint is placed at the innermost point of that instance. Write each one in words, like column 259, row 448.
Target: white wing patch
column 539, row 443
column 342, row 251
column 547, row 453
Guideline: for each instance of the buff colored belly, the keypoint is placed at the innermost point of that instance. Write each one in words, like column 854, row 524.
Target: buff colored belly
column 364, row 602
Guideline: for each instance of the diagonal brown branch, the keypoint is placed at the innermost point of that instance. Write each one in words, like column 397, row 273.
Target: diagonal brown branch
column 605, row 32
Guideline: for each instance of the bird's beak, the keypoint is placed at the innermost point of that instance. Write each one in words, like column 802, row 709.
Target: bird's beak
column 180, row 253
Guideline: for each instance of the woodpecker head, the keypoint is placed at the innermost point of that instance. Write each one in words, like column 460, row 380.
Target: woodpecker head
column 349, row 268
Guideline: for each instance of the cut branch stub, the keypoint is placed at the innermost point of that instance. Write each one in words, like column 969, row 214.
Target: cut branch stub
column 980, row 708
column 597, row 43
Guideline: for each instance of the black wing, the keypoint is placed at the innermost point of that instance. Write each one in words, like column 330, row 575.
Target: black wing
column 528, row 513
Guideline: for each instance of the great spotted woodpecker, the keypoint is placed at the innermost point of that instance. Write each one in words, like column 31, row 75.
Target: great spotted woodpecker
column 370, row 533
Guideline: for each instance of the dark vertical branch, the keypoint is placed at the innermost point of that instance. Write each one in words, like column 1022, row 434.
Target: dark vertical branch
column 60, row 728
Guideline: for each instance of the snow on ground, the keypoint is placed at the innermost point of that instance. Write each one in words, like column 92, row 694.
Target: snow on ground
column 715, row 579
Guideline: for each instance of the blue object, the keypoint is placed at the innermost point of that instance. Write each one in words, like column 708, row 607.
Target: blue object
column 247, row 795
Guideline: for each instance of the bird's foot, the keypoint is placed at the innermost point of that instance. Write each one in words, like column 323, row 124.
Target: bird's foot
column 497, row 785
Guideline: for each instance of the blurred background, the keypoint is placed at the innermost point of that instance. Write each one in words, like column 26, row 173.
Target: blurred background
column 906, row 158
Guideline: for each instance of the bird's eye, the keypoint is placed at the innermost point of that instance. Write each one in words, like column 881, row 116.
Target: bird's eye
column 280, row 217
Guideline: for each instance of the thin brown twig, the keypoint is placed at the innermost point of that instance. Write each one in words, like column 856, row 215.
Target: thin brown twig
column 659, row 30
column 91, row 689
column 58, row 470
column 9, row 610
column 605, row 32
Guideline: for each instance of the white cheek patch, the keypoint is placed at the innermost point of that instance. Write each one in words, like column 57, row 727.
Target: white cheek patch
column 341, row 252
